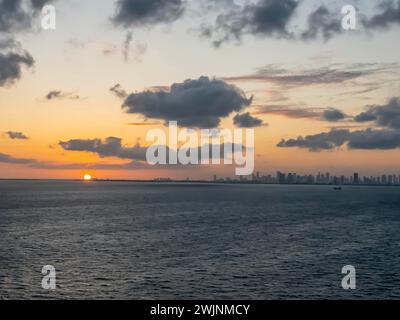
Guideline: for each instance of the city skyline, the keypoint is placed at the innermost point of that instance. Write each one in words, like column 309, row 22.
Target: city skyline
column 320, row 179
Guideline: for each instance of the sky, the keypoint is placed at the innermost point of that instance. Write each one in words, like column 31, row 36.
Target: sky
column 81, row 98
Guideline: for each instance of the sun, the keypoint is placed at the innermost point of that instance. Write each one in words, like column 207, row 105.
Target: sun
column 87, row 177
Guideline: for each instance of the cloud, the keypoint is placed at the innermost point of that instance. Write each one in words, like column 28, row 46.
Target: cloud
column 127, row 45
column 375, row 139
column 15, row 16
column 54, row 95
column 39, row 4
column 322, row 23
column 139, row 13
column 18, row 15
column 198, row 103
column 325, row 75
column 132, row 165
column 280, row 19
column 287, row 111
column 11, row 65
column 16, row 135
column 59, row 95
column 332, row 114
column 111, row 147
column 138, row 50
column 7, row 42
column 36, row 164
column 323, row 114
column 119, row 91
column 143, row 124
column 5, row 158
column 368, row 139
column 387, row 115
column 246, row 120
column 264, row 18
column 389, row 15
column 129, row 49
column 322, row 141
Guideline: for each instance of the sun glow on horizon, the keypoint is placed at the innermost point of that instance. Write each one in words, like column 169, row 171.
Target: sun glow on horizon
column 87, row 177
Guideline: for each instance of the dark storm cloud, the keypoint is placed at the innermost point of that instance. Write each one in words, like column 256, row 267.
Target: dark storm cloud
column 324, row 114
column 323, row 23
column 386, row 115
column 111, row 147
column 11, row 65
column 137, row 13
column 389, row 15
column 246, row 120
column 14, row 135
column 5, row 158
column 322, row 141
column 325, row 75
column 264, row 18
column 118, row 91
column 198, row 103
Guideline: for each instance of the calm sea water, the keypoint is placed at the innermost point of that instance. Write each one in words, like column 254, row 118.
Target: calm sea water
column 173, row 241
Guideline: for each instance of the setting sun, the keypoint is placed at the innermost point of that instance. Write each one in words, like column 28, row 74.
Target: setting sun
column 87, row 177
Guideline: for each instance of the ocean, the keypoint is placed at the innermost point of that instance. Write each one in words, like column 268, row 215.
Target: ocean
column 125, row 240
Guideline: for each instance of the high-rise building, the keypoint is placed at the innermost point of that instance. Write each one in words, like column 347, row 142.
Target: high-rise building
column 356, row 178
column 280, row 177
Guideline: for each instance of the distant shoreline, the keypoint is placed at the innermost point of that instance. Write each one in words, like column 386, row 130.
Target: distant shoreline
column 206, row 182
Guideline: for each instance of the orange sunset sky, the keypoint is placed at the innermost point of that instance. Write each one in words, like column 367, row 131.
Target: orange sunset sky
column 120, row 68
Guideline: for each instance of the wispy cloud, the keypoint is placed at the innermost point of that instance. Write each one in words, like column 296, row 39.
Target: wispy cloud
column 324, row 75
column 118, row 91
column 60, row 95
column 323, row 114
column 14, row 135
